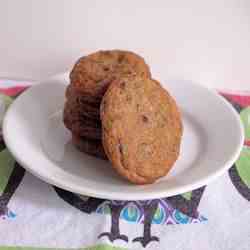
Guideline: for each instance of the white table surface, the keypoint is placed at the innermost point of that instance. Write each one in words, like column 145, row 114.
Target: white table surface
column 204, row 41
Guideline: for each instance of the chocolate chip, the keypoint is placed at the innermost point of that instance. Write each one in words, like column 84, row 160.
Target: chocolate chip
column 120, row 148
column 144, row 118
column 123, row 85
column 120, row 58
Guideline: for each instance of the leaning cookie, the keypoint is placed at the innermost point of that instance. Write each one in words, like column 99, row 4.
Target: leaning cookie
column 89, row 146
column 141, row 129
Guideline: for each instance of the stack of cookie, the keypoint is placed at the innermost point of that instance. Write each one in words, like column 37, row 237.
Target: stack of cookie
column 89, row 80
column 116, row 111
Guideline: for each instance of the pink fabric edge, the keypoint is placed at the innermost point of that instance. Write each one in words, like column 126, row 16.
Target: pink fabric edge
column 12, row 91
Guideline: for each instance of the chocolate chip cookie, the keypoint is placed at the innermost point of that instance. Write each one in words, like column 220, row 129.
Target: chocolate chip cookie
column 92, row 74
column 141, row 129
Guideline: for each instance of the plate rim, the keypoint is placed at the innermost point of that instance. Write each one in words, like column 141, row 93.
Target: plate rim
column 150, row 195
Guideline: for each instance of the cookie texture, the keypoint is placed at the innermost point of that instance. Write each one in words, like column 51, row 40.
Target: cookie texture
column 88, row 146
column 79, row 124
column 141, row 129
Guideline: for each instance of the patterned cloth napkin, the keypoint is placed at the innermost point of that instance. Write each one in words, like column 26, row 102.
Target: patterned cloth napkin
column 36, row 215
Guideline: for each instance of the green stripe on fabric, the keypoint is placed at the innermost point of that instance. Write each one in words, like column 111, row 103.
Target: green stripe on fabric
column 245, row 118
column 6, row 168
column 97, row 247
column 187, row 195
column 7, row 100
column 243, row 166
column 104, row 247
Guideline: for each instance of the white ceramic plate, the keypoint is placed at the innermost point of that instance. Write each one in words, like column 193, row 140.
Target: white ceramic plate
column 35, row 135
